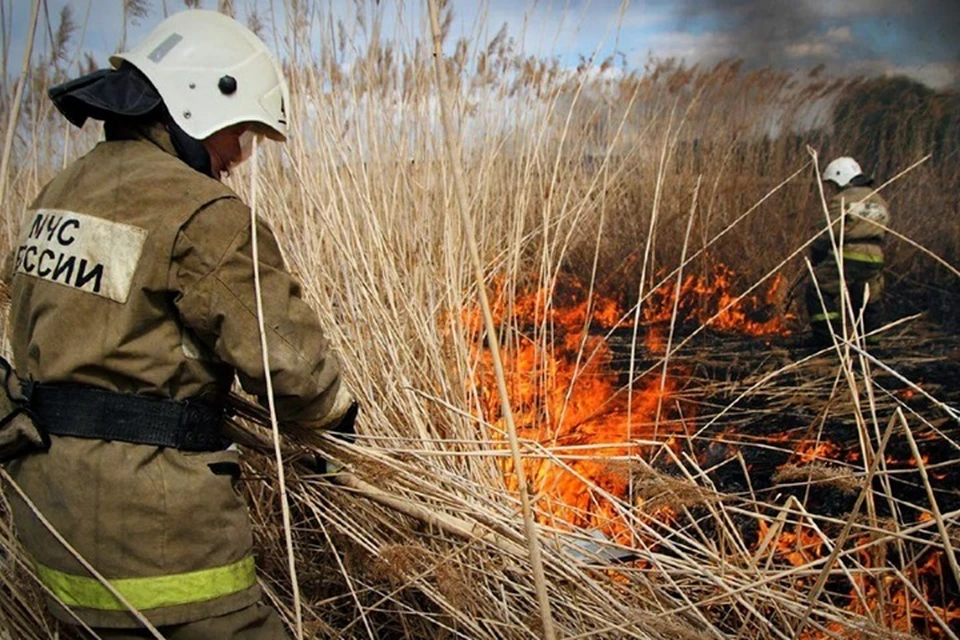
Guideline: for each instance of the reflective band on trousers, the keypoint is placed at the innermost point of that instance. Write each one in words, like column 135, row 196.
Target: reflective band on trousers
column 150, row 593
column 821, row 317
column 862, row 257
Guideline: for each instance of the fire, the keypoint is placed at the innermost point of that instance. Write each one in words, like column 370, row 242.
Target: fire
column 872, row 590
column 811, row 451
column 567, row 397
column 885, row 598
column 907, row 394
column 584, row 427
column 711, row 301
column 799, row 547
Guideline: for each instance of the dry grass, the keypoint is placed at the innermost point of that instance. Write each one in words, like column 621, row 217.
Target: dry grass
column 566, row 174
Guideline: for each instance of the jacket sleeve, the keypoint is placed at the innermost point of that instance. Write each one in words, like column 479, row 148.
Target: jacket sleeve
column 212, row 275
column 822, row 248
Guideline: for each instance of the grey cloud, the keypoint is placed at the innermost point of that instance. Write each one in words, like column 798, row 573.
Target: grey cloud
column 760, row 31
column 809, row 32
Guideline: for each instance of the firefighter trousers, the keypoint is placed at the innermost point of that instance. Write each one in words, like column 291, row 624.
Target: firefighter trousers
column 256, row 622
column 823, row 296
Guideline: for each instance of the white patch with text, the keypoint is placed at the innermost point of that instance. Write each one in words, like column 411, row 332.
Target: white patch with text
column 80, row 251
column 872, row 211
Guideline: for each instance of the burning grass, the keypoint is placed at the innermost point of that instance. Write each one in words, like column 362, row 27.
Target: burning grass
column 692, row 474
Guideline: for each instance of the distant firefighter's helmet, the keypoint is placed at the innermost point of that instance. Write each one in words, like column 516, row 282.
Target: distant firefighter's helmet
column 212, row 72
column 841, row 171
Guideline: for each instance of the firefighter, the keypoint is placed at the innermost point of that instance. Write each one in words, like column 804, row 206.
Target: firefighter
column 858, row 217
column 133, row 310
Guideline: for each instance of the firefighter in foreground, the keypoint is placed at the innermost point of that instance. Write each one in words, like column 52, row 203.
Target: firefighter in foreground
column 858, row 217
column 132, row 311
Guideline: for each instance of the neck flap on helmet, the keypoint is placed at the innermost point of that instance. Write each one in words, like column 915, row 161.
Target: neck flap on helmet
column 861, row 181
column 125, row 94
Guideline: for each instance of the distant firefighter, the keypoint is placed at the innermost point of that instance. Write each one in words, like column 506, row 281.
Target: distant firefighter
column 858, row 217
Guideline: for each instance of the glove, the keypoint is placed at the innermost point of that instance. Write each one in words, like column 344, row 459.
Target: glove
column 20, row 433
column 345, row 428
column 339, row 424
column 819, row 250
column 341, row 416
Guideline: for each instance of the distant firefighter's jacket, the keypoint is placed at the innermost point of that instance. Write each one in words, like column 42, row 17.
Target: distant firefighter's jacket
column 134, row 274
column 862, row 228
column 859, row 237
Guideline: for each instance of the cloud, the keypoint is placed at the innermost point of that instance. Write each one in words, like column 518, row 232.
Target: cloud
column 840, row 35
column 646, row 15
column 858, row 8
column 917, row 38
column 821, row 48
column 811, row 50
column 688, row 47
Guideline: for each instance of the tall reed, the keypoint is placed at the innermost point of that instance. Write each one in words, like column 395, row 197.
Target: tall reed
column 612, row 178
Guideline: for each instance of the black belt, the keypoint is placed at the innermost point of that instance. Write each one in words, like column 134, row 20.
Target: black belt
column 87, row 412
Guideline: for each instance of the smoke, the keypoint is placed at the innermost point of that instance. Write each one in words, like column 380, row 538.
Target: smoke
column 849, row 36
column 758, row 31
column 931, row 27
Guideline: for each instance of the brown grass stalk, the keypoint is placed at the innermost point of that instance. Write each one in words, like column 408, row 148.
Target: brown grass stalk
column 453, row 154
column 271, row 403
column 14, row 114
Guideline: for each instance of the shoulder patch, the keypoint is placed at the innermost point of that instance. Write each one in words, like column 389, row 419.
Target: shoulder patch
column 80, row 251
column 869, row 210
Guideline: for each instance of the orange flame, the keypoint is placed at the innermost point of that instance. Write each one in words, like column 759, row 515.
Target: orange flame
column 711, row 301
column 884, row 598
column 572, row 408
column 811, row 451
column 567, row 397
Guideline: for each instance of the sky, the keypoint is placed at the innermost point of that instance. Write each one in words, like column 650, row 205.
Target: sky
column 917, row 38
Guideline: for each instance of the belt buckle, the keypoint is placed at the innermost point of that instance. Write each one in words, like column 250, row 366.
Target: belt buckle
column 197, row 431
column 188, row 435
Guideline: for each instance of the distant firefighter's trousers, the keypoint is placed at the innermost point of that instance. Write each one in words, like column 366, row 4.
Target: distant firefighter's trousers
column 863, row 275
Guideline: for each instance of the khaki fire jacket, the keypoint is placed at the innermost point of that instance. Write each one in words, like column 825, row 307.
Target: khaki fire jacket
column 134, row 274
column 862, row 228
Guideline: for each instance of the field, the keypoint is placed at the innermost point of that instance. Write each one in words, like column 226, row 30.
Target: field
column 686, row 469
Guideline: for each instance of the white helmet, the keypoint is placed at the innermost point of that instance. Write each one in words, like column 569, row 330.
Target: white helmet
column 212, row 72
column 841, row 171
